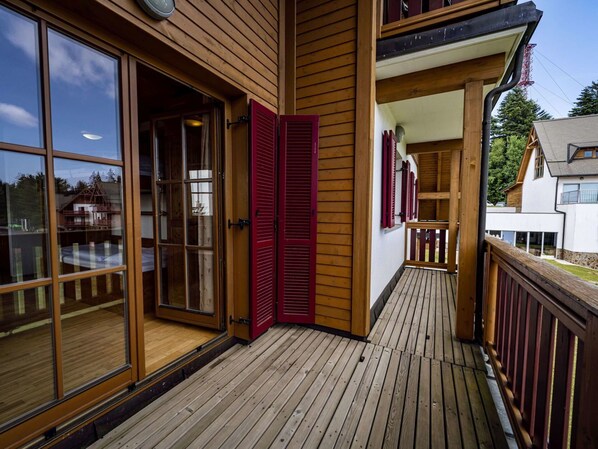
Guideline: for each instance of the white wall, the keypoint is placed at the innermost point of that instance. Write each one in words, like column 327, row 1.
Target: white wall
column 538, row 194
column 388, row 245
column 581, row 228
column 532, row 222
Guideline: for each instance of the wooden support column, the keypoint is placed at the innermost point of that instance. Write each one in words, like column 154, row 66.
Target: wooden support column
column 454, row 210
column 470, row 188
column 490, row 303
column 364, row 142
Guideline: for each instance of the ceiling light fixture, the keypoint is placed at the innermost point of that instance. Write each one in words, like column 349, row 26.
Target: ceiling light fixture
column 193, row 122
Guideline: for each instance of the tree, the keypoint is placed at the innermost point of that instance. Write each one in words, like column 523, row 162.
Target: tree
column 504, row 159
column 516, row 114
column 587, row 102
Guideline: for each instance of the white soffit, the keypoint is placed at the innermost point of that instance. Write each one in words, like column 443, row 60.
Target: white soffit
column 431, row 118
column 503, row 42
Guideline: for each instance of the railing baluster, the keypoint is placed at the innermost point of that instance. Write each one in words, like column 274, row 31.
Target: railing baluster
column 562, row 348
column 412, row 245
column 543, row 363
column 422, row 245
column 521, row 340
column 442, row 247
column 415, row 7
column 529, row 360
column 432, row 246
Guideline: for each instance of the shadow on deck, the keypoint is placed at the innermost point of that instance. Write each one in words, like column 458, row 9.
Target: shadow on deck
column 413, row 386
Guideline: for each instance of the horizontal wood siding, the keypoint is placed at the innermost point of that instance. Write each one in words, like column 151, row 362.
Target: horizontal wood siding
column 237, row 41
column 326, row 55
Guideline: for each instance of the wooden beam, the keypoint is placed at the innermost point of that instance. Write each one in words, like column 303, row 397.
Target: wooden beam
column 440, row 79
column 434, row 147
column 454, row 211
column 470, row 188
column 363, row 181
column 433, row 196
column 287, row 91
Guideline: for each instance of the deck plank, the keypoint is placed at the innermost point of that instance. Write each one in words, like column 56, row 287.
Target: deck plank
column 302, row 388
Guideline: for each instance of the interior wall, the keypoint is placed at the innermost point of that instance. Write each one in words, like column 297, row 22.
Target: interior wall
column 388, row 245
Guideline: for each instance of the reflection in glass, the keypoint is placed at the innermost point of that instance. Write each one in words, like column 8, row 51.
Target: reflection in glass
column 201, row 280
column 89, row 214
column 171, row 213
column 26, row 352
column 200, row 216
column 23, row 218
column 521, row 240
column 535, row 243
column 172, row 276
column 92, row 312
column 169, row 149
column 85, row 97
column 550, row 243
column 20, row 104
column 198, row 146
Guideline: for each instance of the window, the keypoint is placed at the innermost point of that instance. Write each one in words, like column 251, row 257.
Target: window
column 79, row 229
column 588, row 154
column 586, row 193
column 539, row 164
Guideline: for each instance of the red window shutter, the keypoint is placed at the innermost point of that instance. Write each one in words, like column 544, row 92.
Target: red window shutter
column 262, row 207
column 298, row 184
column 392, row 178
column 411, row 195
column 404, row 176
column 384, row 209
column 416, row 200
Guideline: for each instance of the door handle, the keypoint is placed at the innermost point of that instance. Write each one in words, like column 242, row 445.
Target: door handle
column 241, row 223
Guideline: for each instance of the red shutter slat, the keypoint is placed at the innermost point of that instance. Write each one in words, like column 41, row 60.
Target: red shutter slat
column 262, row 209
column 404, row 176
column 298, row 178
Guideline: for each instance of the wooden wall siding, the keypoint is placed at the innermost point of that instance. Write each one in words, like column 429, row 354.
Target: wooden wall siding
column 434, row 175
column 238, row 41
column 326, row 55
column 514, row 196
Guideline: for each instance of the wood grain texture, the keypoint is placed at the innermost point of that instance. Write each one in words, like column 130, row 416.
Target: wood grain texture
column 299, row 388
column 326, row 85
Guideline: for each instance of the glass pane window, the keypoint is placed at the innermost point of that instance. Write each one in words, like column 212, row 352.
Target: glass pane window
column 549, row 243
column 521, row 240
column 173, row 277
column 201, row 280
column 200, row 226
column 169, row 149
column 92, row 312
column 535, row 243
column 85, row 94
column 198, row 146
column 26, row 352
column 23, row 218
column 89, row 209
column 20, row 91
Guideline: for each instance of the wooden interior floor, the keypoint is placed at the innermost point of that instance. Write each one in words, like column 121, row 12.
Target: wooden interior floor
column 93, row 345
column 301, row 388
column 166, row 341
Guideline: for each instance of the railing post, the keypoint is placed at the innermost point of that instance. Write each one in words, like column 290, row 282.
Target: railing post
column 491, row 298
column 586, row 434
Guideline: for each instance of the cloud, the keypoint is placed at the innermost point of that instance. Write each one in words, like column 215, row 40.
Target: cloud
column 81, row 66
column 17, row 116
column 21, row 33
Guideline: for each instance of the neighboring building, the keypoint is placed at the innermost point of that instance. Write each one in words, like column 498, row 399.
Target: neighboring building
column 552, row 209
column 262, row 162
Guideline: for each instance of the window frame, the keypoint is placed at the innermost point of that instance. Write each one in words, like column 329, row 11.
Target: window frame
column 539, row 163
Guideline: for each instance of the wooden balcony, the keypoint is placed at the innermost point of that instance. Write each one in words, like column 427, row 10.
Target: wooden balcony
column 408, row 16
column 412, row 385
column 541, row 333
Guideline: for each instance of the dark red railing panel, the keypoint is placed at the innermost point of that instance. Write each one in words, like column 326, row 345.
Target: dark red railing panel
column 415, row 7
column 432, row 246
column 413, row 241
column 422, row 245
column 435, row 4
column 442, row 247
column 521, row 346
column 559, row 418
column 529, row 360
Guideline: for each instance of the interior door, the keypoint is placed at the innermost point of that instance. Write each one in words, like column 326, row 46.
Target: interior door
column 186, row 218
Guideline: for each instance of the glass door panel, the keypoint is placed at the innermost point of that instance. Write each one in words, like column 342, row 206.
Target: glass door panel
column 185, row 219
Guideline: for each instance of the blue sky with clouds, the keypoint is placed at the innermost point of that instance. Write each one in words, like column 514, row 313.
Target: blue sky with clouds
column 566, row 55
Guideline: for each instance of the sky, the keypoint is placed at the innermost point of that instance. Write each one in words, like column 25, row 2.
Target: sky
column 566, row 56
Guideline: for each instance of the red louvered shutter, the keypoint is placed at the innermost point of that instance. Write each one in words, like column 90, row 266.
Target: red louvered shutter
column 262, row 207
column 416, row 200
column 392, row 178
column 404, row 176
column 411, row 195
column 384, row 211
column 298, row 186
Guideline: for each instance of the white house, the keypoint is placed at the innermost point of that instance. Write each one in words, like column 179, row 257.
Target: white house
column 552, row 209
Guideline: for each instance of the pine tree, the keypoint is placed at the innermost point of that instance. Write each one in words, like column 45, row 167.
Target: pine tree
column 516, row 114
column 509, row 131
column 587, row 102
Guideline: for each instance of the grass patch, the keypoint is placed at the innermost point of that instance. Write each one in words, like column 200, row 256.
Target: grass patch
column 587, row 274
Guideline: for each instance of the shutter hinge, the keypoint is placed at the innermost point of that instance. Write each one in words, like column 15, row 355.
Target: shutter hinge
column 241, row 119
column 241, row 320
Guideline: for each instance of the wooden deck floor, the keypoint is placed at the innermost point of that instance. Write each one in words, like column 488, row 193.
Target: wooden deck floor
column 301, row 388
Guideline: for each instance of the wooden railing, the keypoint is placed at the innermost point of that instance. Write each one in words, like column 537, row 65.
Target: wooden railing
column 541, row 334
column 427, row 244
column 402, row 16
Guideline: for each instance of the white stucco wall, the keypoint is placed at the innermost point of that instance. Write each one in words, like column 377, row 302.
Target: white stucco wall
column 538, row 194
column 526, row 222
column 388, row 246
column 581, row 227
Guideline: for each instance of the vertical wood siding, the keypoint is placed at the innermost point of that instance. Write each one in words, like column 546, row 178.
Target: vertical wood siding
column 238, row 40
column 326, row 54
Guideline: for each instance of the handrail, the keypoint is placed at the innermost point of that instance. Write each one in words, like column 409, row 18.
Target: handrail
column 541, row 334
column 402, row 16
column 427, row 244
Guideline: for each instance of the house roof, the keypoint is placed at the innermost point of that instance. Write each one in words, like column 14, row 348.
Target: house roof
column 555, row 136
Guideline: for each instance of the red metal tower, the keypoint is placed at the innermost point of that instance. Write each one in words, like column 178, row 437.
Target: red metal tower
column 526, row 71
